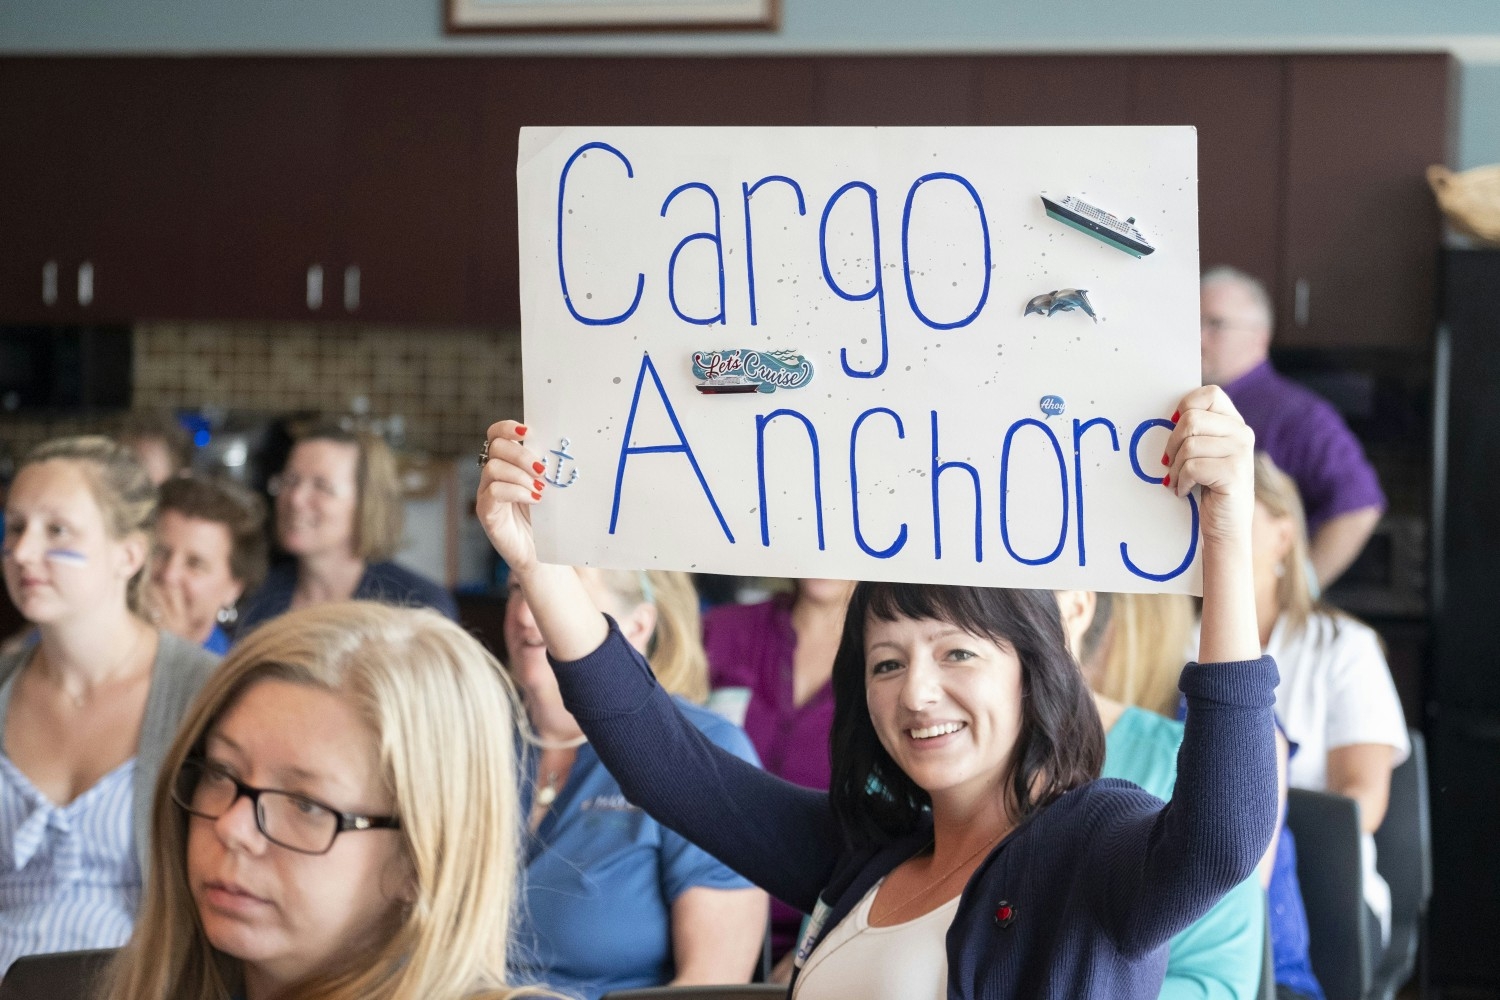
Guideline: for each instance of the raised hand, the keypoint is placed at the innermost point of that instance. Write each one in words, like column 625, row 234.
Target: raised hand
column 1212, row 447
column 509, row 484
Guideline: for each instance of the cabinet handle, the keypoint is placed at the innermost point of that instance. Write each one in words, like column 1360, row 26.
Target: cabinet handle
column 1302, row 303
column 49, row 283
column 315, row 286
column 85, row 284
column 351, row 288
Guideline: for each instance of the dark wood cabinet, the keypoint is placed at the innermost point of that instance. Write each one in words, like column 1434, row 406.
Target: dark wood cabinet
column 98, row 177
column 1358, row 224
column 383, row 189
column 265, row 228
column 1235, row 104
column 410, row 179
column 340, row 190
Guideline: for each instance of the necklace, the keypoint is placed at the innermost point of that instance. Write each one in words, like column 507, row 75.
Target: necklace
column 930, row 886
column 119, row 675
column 547, row 794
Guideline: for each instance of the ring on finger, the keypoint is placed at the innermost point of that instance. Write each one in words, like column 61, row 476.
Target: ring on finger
column 484, row 453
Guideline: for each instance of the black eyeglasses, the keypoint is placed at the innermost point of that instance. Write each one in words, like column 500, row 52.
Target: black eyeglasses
column 293, row 821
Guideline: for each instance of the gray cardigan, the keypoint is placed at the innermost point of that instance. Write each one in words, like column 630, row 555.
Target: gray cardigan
column 178, row 672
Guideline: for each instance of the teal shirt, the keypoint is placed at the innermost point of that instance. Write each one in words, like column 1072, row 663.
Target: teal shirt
column 1220, row 956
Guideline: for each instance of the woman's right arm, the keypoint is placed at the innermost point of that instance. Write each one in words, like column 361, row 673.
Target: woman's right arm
column 663, row 763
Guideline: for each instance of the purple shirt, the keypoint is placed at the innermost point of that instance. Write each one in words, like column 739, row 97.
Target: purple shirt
column 751, row 646
column 1309, row 441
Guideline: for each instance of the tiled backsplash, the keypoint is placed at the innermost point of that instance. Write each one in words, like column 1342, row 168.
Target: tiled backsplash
column 446, row 384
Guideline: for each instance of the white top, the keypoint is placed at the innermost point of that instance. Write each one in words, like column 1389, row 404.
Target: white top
column 69, row 877
column 1336, row 691
column 902, row 962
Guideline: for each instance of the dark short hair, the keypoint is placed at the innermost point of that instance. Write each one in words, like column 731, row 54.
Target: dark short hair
column 1060, row 745
column 241, row 512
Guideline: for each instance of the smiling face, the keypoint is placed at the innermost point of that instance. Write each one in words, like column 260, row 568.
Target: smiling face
column 289, row 916
column 60, row 560
column 191, row 559
column 318, row 498
column 945, row 704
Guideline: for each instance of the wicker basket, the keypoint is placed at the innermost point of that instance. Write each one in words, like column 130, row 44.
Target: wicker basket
column 1470, row 200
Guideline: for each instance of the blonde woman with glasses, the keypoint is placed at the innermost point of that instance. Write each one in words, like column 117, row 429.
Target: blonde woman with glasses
column 337, row 818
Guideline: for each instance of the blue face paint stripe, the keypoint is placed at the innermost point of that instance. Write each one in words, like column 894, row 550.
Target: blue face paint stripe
column 71, row 557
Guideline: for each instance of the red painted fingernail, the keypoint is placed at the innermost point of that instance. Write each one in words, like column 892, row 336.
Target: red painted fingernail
column 536, row 496
column 521, row 430
column 1165, row 460
column 1176, row 414
column 1167, row 479
column 538, row 468
column 537, row 485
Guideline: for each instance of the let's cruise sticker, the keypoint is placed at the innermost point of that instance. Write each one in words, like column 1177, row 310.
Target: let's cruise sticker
column 925, row 354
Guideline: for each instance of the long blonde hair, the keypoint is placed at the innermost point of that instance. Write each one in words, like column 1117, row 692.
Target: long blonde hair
column 119, row 485
column 443, row 711
column 1139, row 642
column 676, row 649
column 1277, row 493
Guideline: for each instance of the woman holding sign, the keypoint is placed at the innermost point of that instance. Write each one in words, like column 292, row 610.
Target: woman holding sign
column 966, row 847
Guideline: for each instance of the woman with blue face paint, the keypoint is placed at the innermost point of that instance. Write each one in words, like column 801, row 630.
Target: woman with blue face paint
column 87, row 712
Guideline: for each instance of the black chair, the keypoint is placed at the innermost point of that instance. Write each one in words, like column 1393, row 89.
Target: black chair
column 1326, row 828
column 744, row 991
column 1267, row 966
column 1403, row 856
column 71, row 974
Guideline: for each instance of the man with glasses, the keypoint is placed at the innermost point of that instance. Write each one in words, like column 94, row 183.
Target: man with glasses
column 1303, row 434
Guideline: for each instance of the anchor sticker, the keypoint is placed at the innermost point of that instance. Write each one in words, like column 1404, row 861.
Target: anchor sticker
column 555, row 476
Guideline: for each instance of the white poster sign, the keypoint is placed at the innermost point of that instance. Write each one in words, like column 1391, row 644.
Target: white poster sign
column 928, row 354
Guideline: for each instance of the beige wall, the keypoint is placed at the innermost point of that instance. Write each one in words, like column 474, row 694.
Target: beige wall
column 448, row 384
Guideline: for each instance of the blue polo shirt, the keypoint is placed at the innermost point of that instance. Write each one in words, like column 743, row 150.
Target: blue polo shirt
column 601, row 877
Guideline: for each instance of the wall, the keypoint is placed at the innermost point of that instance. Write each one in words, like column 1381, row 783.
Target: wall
column 448, row 385
column 1468, row 28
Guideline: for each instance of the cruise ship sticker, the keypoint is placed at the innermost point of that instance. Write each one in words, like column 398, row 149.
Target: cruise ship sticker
column 1099, row 224
column 1061, row 300
column 1052, row 406
column 740, row 370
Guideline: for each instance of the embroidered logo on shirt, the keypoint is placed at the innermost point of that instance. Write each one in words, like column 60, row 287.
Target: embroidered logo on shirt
column 608, row 803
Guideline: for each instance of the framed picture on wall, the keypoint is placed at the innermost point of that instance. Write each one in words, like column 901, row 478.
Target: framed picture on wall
column 611, row 15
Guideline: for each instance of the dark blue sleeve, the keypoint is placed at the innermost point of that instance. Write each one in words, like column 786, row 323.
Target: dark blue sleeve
column 780, row 836
column 1160, row 869
column 684, row 865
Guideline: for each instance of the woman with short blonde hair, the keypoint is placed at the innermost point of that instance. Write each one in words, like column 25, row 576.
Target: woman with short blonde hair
column 434, row 714
column 339, row 515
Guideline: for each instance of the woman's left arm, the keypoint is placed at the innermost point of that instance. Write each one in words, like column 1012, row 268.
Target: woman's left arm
column 1362, row 771
column 717, row 935
column 1161, row 869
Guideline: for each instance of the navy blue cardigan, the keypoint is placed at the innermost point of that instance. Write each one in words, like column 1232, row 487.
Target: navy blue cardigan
column 1098, row 882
